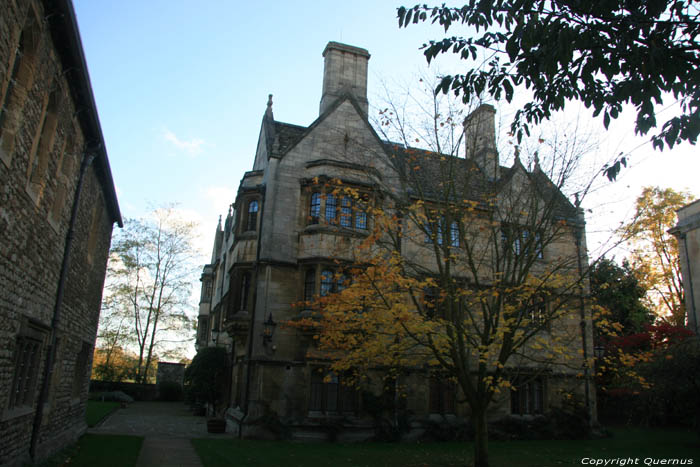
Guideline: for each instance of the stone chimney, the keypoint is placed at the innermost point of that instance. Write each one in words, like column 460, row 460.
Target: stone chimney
column 480, row 139
column 344, row 72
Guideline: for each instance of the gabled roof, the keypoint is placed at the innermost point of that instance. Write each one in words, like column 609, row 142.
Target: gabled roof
column 287, row 135
column 424, row 168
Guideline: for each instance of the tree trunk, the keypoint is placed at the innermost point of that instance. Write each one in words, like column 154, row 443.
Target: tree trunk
column 481, row 439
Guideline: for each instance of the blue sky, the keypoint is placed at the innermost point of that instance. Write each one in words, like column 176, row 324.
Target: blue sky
column 181, row 87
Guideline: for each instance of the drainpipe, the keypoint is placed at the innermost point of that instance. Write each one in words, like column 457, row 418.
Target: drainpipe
column 582, row 312
column 251, row 331
column 690, row 283
column 58, row 305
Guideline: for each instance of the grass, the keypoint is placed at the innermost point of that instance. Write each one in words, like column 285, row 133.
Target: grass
column 97, row 410
column 99, row 450
column 626, row 443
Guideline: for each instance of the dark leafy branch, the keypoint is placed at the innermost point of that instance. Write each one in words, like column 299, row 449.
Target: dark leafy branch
column 602, row 53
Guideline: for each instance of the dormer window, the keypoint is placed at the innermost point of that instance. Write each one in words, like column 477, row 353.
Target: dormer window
column 252, row 222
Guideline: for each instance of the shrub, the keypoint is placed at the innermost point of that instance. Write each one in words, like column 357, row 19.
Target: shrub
column 448, row 430
column 207, row 376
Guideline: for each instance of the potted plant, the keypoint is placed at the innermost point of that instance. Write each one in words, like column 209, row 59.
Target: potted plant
column 206, row 376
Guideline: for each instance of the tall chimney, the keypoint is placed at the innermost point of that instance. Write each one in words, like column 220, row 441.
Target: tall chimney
column 344, row 72
column 480, row 139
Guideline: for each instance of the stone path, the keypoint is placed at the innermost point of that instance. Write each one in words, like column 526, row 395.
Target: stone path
column 167, row 428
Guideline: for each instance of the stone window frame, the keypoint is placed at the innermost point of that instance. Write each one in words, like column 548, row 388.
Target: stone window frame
column 251, row 214
column 80, row 369
column 15, row 88
column 43, row 144
column 93, row 233
column 516, row 237
column 28, row 357
column 207, row 289
column 325, row 206
column 450, row 235
column 309, row 290
column 65, row 170
column 527, row 395
column 240, row 290
column 312, row 280
column 329, row 396
column 202, row 328
column 442, row 395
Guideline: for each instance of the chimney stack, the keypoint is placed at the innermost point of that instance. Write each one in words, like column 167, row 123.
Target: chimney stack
column 344, row 72
column 480, row 139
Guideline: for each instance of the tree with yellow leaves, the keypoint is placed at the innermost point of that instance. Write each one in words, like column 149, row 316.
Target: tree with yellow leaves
column 475, row 270
column 654, row 254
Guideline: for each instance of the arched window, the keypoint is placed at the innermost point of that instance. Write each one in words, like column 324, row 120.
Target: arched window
column 252, row 215
column 326, row 282
column 309, row 285
column 315, row 208
column 331, row 207
column 346, row 211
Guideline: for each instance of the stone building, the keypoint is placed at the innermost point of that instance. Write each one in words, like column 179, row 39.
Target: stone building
column 687, row 231
column 284, row 234
column 57, row 208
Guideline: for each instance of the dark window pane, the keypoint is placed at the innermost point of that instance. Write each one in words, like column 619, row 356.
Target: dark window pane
column 252, row 215
column 346, row 212
column 361, row 220
column 326, row 282
column 331, row 207
column 245, row 286
column 309, row 285
column 315, row 209
column 454, row 234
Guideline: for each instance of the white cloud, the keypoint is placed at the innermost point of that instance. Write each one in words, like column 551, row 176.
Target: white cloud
column 192, row 147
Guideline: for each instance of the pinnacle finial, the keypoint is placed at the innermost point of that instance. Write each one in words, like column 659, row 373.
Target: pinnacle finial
column 268, row 112
column 537, row 160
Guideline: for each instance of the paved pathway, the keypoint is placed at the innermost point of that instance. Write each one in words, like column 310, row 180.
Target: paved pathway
column 167, row 428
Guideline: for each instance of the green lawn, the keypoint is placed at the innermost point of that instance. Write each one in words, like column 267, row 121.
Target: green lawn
column 634, row 443
column 99, row 450
column 97, row 410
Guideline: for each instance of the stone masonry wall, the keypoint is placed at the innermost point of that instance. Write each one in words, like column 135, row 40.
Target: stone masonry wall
column 33, row 227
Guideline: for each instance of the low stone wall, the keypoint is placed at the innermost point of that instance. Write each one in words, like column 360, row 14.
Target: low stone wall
column 140, row 392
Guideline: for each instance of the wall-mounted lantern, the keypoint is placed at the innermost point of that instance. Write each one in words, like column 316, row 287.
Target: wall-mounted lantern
column 268, row 329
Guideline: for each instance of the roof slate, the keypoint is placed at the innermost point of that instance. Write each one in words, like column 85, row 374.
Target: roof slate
column 424, row 169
